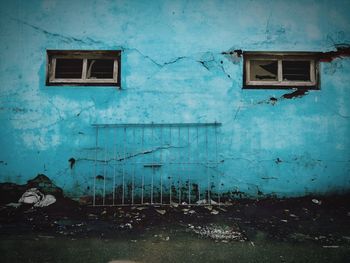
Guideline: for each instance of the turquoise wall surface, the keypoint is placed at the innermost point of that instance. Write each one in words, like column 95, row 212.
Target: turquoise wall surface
column 175, row 69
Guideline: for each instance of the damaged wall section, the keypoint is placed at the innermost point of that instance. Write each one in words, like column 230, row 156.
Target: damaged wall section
column 181, row 63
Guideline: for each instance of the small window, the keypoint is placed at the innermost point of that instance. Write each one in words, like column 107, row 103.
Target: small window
column 280, row 70
column 85, row 68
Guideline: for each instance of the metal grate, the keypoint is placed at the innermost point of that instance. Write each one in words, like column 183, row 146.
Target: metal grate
column 156, row 164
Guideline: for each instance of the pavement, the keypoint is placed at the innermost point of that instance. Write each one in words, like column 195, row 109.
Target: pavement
column 305, row 229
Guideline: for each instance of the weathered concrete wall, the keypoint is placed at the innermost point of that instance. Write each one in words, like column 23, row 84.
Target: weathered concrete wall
column 173, row 70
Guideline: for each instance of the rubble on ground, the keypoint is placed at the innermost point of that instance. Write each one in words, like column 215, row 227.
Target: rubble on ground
column 216, row 232
column 322, row 220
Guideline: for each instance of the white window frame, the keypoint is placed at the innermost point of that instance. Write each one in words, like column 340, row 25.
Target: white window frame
column 85, row 55
column 279, row 57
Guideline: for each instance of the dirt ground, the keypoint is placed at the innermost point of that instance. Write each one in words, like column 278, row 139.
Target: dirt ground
column 308, row 229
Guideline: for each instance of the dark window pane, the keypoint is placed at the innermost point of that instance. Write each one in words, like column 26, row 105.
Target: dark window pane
column 263, row 70
column 68, row 68
column 296, row 70
column 100, row 68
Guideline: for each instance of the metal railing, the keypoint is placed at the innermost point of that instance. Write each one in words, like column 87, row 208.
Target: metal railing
column 156, row 164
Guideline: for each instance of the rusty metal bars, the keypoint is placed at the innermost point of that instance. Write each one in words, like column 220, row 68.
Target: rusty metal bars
column 192, row 157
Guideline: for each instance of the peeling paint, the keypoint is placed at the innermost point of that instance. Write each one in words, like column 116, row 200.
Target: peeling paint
column 71, row 162
column 342, row 51
column 100, row 177
column 295, row 94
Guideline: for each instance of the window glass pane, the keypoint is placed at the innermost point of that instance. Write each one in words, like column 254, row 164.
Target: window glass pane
column 263, row 70
column 296, row 70
column 68, row 68
column 100, row 68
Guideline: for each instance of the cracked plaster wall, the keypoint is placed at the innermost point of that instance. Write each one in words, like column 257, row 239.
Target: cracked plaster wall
column 175, row 68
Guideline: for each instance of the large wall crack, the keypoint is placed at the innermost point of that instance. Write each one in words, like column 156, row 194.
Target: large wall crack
column 130, row 156
column 64, row 38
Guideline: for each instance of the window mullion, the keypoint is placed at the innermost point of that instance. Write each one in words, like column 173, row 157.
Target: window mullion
column 52, row 69
column 312, row 71
column 279, row 70
column 84, row 69
column 115, row 70
column 248, row 70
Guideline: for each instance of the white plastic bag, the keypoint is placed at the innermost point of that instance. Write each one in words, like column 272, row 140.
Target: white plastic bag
column 34, row 196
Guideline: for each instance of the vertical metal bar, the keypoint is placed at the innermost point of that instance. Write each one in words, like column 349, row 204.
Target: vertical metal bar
column 161, row 162
column 153, row 146
column 217, row 164
column 96, row 150
column 199, row 187
column 124, row 158
column 189, row 165
column 114, row 163
column 105, row 169
column 133, row 174
column 179, row 177
column 206, row 163
column 142, row 175
column 170, row 167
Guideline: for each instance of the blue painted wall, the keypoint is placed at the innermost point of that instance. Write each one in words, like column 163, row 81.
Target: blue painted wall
column 173, row 70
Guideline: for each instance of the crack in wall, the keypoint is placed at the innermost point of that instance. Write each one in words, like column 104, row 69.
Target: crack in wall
column 132, row 155
column 84, row 109
column 237, row 111
column 89, row 41
column 231, row 55
column 60, row 119
column 64, row 38
column 204, row 64
column 278, row 161
column 145, row 56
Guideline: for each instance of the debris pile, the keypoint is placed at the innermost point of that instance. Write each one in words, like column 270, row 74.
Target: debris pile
column 41, row 188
